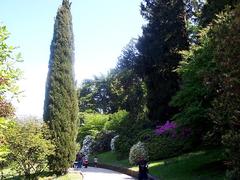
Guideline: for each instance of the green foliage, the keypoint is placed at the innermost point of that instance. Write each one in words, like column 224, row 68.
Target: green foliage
column 103, row 141
column 9, row 74
column 194, row 98
column 209, row 97
column 91, row 124
column 4, row 150
column 127, row 86
column 122, row 146
column 232, row 142
column 127, row 131
column 115, row 120
column 225, row 114
column 60, row 105
column 95, row 95
column 137, row 153
column 161, row 147
column 29, row 147
column 214, row 7
column 163, row 36
column 121, row 89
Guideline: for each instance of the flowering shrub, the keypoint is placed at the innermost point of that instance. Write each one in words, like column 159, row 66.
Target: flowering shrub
column 87, row 145
column 168, row 127
column 138, row 152
column 112, row 144
column 102, row 141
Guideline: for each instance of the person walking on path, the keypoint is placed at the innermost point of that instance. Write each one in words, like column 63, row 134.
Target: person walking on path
column 79, row 160
column 85, row 161
column 143, row 170
column 95, row 160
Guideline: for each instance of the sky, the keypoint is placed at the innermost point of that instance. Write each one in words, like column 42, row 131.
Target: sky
column 102, row 28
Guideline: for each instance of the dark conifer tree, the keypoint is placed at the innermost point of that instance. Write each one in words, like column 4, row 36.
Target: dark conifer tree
column 60, row 106
column 212, row 8
column 163, row 37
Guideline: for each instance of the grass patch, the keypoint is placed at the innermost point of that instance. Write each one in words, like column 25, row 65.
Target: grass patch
column 197, row 165
column 111, row 158
column 206, row 164
column 10, row 175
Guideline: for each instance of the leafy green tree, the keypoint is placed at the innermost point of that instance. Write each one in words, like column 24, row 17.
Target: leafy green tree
column 9, row 74
column 91, row 124
column 29, row 147
column 120, row 89
column 85, row 96
column 225, row 113
column 163, row 36
column 194, row 98
column 4, row 150
column 127, row 86
column 60, row 105
column 96, row 95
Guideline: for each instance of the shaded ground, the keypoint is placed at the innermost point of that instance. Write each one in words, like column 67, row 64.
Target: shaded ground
column 92, row 173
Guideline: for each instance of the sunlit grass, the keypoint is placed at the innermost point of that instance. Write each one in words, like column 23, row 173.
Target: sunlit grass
column 195, row 165
column 12, row 175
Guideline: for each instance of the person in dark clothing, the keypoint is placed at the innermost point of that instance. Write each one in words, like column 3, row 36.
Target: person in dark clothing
column 143, row 170
column 79, row 160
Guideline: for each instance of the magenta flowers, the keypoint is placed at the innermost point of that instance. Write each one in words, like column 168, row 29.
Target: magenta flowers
column 166, row 128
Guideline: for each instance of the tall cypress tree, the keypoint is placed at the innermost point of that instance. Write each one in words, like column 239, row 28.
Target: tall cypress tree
column 163, row 37
column 60, row 106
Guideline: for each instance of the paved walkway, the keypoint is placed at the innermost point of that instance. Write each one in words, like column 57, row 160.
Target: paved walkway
column 92, row 173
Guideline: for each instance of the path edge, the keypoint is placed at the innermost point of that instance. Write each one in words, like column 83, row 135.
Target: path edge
column 123, row 170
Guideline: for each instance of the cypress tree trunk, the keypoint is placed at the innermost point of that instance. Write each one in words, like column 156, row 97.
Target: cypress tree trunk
column 60, row 105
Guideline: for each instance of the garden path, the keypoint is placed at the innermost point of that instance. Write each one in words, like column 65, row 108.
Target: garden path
column 92, row 173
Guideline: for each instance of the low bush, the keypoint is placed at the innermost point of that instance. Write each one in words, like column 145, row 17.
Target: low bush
column 29, row 147
column 87, row 145
column 90, row 124
column 122, row 146
column 112, row 144
column 165, row 141
column 138, row 152
column 103, row 141
column 160, row 147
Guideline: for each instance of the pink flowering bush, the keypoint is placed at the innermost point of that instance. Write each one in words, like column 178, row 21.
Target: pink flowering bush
column 168, row 127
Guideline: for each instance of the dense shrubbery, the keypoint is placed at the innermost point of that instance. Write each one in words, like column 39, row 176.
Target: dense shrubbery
column 87, row 145
column 225, row 113
column 160, row 147
column 115, row 120
column 29, row 147
column 123, row 145
column 138, row 152
column 91, row 124
column 103, row 141
column 101, row 128
column 165, row 141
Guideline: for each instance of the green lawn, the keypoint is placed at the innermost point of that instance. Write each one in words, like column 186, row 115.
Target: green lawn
column 196, row 165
